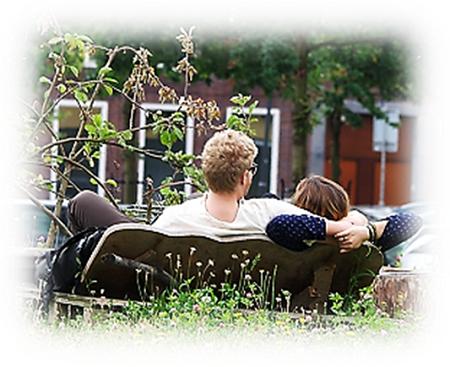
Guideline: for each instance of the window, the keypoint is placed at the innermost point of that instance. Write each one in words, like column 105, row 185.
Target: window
column 266, row 179
column 65, row 124
column 155, row 168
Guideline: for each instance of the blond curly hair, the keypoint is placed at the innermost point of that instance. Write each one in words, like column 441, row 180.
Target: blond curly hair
column 225, row 157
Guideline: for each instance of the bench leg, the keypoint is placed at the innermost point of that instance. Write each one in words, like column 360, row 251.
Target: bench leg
column 316, row 295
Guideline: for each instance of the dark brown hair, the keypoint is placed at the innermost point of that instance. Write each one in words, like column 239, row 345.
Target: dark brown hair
column 322, row 196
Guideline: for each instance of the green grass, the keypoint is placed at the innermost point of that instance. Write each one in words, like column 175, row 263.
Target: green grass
column 233, row 311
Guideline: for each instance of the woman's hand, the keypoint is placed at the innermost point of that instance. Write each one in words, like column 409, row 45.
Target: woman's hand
column 356, row 218
column 352, row 238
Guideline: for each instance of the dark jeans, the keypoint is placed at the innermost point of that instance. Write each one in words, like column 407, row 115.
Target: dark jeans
column 87, row 209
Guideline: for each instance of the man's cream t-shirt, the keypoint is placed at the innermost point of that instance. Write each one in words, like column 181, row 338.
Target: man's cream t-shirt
column 252, row 217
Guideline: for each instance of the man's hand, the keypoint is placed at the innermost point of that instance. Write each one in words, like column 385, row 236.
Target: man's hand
column 352, row 238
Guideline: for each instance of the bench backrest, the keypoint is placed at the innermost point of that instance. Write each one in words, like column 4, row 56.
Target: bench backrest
column 213, row 260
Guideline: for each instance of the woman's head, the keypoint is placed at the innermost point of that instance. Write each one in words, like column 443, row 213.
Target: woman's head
column 323, row 197
column 225, row 159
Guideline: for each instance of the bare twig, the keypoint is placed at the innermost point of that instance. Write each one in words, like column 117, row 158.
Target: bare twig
column 89, row 173
column 147, row 152
column 47, row 211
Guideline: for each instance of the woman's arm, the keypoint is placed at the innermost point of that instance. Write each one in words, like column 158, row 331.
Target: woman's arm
column 291, row 231
column 389, row 232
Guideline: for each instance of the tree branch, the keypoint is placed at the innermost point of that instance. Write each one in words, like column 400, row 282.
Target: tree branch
column 147, row 152
column 47, row 212
column 89, row 173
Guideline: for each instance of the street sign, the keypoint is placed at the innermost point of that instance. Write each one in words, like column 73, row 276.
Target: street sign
column 385, row 136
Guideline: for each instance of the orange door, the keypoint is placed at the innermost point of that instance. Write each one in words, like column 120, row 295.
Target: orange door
column 397, row 184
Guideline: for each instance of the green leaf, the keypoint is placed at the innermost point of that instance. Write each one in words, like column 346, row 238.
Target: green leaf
column 96, row 154
column 111, row 182
column 80, row 96
column 91, row 129
column 93, row 181
column 44, row 80
column 55, row 40
column 108, row 89
column 166, row 139
column 74, row 70
column 85, row 38
column 127, row 135
column 97, row 120
column 104, row 70
column 61, row 88
column 111, row 80
column 178, row 133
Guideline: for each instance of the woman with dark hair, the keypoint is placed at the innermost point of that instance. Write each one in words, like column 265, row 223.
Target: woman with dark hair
column 324, row 197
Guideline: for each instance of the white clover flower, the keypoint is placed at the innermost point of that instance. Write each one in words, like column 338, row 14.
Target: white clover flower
column 211, row 262
column 248, row 277
column 192, row 250
column 244, row 252
column 234, row 256
column 198, row 264
column 206, row 299
column 169, row 255
column 227, row 271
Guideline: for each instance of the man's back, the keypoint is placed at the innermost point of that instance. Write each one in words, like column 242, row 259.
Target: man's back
column 252, row 217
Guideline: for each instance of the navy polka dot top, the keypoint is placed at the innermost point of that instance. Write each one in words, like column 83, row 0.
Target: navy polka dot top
column 399, row 228
column 291, row 231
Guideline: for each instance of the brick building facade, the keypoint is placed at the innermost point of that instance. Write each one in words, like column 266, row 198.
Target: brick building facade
column 359, row 165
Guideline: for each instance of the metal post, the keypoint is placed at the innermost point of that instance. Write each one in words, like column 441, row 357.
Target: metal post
column 382, row 174
column 264, row 181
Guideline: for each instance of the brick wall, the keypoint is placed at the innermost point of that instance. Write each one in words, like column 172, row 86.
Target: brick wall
column 220, row 91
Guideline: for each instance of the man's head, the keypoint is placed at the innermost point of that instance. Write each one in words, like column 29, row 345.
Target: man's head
column 322, row 196
column 226, row 160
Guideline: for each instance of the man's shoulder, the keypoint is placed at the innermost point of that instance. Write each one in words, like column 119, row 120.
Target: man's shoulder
column 192, row 204
column 274, row 206
column 267, row 202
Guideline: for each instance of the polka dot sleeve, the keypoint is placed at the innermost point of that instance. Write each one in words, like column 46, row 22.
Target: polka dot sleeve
column 399, row 228
column 291, row 231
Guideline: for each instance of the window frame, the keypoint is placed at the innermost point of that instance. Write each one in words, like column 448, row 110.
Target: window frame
column 104, row 111
column 275, row 148
column 188, row 140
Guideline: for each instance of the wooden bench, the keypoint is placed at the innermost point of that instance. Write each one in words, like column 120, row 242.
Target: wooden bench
column 132, row 261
